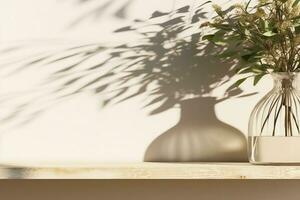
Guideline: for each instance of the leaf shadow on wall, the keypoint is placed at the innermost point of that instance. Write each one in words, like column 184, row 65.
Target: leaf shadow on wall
column 120, row 11
column 170, row 68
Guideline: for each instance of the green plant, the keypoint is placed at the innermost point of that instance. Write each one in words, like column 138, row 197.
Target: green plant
column 264, row 36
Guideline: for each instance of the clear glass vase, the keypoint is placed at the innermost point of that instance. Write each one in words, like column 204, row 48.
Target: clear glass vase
column 274, row 135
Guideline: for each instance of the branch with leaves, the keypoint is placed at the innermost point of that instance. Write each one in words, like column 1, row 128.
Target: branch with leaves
column 264, row 37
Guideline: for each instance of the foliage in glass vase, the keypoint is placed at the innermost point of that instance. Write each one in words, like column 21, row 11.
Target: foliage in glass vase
column 263, row 36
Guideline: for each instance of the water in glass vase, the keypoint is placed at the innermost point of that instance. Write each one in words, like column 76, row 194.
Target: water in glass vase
column 274, row 150
column 274, row 125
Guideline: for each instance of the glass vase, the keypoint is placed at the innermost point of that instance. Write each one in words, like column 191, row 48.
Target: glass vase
column 274, row 135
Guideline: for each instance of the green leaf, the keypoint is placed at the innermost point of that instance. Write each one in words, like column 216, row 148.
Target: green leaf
column 256, row 68
column 262, row 5
column 245, row 71
column 257, row 78
column 247, row 32
column 219, row 35
column 248, row 95
column 217, row 38
column 248, row 56
column 295, row 18
column 269, row 34
column 297, row 29
column 218, row 10
column 248, row 5
column 208, row 37
column 239, row 82
column 296, row 3
column 228, row 10
column 225, row 27
column 264, row 24
column 220, row 43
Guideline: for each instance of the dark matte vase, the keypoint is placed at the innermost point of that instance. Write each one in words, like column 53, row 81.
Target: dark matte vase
column 199, row 136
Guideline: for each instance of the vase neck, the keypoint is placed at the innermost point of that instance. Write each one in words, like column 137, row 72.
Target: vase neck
column 286, row 81
column 200, row 110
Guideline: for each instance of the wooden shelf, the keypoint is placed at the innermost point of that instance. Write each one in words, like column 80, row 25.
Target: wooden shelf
column 155, row 171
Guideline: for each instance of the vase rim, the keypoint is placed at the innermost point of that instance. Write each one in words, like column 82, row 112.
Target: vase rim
column 285, row 75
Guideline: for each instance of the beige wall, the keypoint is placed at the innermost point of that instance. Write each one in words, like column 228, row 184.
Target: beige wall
column 149, row 190
column 120, row 133
column 79, row 135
